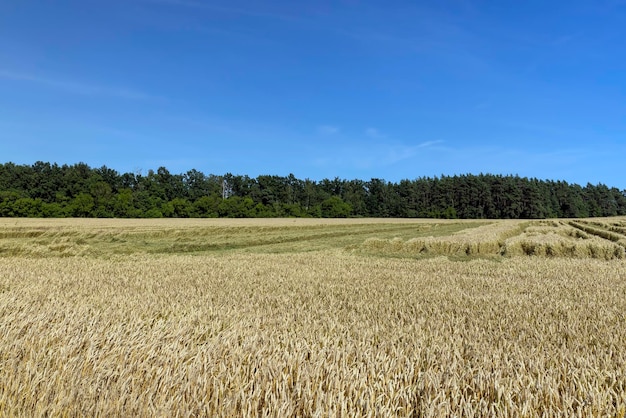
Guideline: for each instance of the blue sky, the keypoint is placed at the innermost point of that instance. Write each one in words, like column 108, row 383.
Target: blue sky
column 346, row 88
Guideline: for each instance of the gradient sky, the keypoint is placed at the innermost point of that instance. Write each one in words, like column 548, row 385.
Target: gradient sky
column 331, row 88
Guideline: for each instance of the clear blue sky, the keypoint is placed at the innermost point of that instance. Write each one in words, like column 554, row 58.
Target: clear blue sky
column 349, row 88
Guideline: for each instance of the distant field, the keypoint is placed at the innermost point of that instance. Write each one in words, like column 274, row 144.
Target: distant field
column 105, row 238
column 310, row 317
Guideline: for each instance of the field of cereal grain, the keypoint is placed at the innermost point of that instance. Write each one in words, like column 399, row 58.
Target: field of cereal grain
column 297, row 317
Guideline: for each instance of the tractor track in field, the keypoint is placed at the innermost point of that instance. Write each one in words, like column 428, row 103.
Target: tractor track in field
column 350, row 232
column 616, row 235
column 51, row 242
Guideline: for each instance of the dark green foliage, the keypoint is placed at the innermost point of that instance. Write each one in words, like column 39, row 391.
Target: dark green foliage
column 207, row 206
column 334, row 207
column 82, row 206
column 237, row 207
column 50, row 190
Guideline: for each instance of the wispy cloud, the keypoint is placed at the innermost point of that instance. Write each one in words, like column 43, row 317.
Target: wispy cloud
column 387, row 40
column 328, row 129
column 375, row 133
column 78, row 88
column 374, row 156
column 563, row 40
column 615, row 3
column 230, row 10
column 429, row 144
column 397, row 153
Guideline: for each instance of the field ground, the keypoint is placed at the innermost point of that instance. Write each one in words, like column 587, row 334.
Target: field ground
column 297, row 317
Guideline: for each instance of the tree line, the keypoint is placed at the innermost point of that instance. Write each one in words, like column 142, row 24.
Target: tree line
column 51, row 190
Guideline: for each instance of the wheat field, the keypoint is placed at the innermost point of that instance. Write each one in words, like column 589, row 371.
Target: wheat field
column 312, row 318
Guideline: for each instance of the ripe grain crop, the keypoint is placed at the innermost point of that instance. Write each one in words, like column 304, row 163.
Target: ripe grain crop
column 553, row 238
column 301, row 322
column 485, row 240
column 558, row 239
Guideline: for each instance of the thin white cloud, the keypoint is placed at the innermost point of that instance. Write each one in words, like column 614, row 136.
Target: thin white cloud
column 375, row 133
column 389, row 40
column 229, row 10
column 328, row 129
column 429, row 144
column 563, row 40
column 78, row 88
column 399, row 153
column 374, row 156
column 482, row 105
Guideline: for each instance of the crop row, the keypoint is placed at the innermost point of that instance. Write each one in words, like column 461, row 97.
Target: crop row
column 514, row 238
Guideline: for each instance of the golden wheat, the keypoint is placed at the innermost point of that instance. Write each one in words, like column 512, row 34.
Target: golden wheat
column 249, row 331
column 556, row 239
column 483, row 240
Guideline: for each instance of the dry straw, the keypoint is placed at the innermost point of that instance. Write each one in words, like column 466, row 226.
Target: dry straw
column 513, row 238
column 486, row 240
